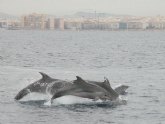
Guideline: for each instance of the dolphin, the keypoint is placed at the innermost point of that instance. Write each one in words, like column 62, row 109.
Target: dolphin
column 39, row 86
column 82, row 88
column 50, row 85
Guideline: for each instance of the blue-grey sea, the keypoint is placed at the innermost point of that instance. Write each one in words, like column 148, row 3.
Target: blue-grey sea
column 134, row 58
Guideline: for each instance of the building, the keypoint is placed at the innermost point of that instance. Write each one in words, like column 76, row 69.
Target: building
column 59, row 23
column 73, row 25
column 3, row 23
column 123, row 25
column 89, row 25
column 34, row 21
column 134, row 25
column 10, row 24
column 51, row 24
column 108, row 25
column 158, row 25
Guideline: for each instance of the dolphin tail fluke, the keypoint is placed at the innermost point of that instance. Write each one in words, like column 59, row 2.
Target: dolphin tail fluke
column 121, row 89
column 21, row 94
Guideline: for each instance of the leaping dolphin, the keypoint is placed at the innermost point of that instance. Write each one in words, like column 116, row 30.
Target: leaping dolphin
column 50, row 85
column 39, row 86
column 81, row 88
column 56, row 87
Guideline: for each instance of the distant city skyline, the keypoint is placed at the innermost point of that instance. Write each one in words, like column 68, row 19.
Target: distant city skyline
column 63, row 7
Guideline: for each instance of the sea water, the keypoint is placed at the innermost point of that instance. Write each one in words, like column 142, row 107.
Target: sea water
column 133, row 58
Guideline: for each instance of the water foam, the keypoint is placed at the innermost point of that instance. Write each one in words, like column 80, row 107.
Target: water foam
column 70, row 100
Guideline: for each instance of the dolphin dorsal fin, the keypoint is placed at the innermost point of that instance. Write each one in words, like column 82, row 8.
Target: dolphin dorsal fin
column 79, row 79
column 83, row 83
column 106, row 82
column 44, row 76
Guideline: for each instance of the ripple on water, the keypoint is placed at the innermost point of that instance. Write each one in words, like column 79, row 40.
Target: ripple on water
column 135, row 58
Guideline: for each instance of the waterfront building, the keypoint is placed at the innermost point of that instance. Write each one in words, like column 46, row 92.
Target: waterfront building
column 89, row 25
column 114, row 25
column 51, row 24
column 137, row 25
column 34, row 21
column 73, row 25
column 59, row 23
column 43, row 22
column 10, row 24
column 123, row 25
column 109, row 26
column 3, row 23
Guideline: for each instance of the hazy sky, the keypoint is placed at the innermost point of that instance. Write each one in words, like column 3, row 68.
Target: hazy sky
column 62, row 7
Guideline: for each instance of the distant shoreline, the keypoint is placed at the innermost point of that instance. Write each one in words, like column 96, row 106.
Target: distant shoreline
column 124, row 30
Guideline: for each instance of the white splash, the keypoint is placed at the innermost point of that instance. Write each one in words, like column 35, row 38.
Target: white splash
column 67, row 100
